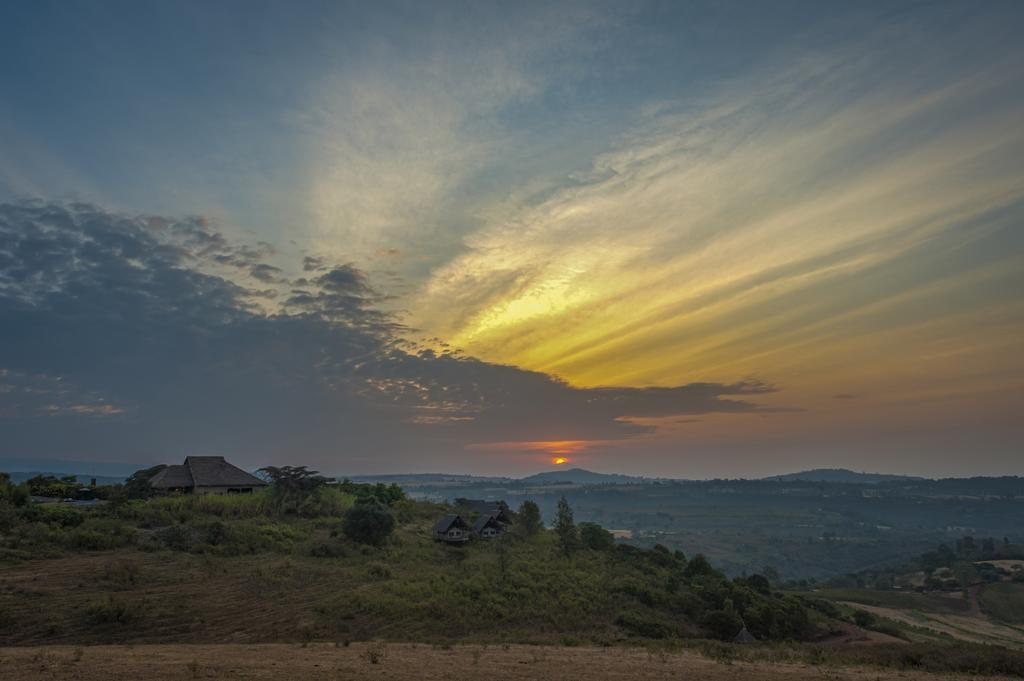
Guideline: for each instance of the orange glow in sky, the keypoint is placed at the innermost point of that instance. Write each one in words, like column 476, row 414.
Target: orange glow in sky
column 559, row 460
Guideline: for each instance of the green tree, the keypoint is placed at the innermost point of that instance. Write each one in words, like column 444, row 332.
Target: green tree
column 137, row 485
column 565, row 528
column 368, row 522
column 293, row 486
column 528, row 520
column 863, row 618
column 595, row 537
column 722, row 624
column 698, row 566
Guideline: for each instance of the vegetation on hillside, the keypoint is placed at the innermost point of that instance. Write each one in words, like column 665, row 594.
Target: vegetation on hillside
column 309, row 559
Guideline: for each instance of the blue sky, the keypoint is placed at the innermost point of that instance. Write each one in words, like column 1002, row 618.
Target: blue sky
column 823, row 198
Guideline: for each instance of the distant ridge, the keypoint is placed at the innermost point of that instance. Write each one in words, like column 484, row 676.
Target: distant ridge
column 87, row 469
column 83, row 478
column 580, row 476
column 839, row 475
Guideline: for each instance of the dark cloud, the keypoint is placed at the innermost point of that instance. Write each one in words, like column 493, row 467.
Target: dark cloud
column 312, row 263
column 845, row 396
column 267, row 273
column 141, row 350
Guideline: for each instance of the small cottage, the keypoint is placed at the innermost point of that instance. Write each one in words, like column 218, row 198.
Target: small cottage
column 205, row 475
column 451, row 529
column 487, row 527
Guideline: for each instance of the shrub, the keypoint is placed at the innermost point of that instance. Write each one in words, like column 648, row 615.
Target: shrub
column 595, row 537
column 368, row 523
column 643, row 625
column 327, row 550
column 55, row 514
column 176, row 537
column 112, row 611
column 379, row 571
column 722, row 624
column 863, row 618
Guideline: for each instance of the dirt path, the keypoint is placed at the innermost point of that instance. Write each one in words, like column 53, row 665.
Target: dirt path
column 399, row 662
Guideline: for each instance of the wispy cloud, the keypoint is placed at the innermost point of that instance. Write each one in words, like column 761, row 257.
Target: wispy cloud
column 118, row 329
column 717, row 232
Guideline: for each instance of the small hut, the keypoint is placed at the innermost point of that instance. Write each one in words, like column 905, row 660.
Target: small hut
column 744, row 636
column 451, row 529
column 487, row 527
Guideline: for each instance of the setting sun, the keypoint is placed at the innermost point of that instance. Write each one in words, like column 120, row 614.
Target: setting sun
column 558, row 460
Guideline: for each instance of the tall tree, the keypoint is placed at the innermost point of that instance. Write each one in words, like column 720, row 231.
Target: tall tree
column 528, row 520
column 565, row 527
column 291, row 486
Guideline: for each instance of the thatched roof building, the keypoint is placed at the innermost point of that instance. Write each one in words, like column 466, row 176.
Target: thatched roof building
column 205, row 475
column 744, row 636
column 451, row 529
column 487, row 527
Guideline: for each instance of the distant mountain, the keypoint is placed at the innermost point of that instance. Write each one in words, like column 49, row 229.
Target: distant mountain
column 413, row 478
column 88, row 469
column 839, row 475
column 579, row 476
column 22, row 476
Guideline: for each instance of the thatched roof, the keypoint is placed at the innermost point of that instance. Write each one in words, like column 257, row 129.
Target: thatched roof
column 484, row 521
column 744, row 636
column 446, row 522
column 172, row 477
column 486, row 507
column 204, row 471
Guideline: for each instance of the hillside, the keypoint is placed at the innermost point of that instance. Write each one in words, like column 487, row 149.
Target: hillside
column 132, row 570
column 840, row 475
column 580, row 476
column 290, row 564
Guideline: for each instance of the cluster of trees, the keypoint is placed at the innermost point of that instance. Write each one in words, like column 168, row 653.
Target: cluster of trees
column 658, row 590
column 692, row 588
column 946, row 568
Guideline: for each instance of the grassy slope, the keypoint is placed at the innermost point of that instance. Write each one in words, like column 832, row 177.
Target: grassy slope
column 1004, row 601
column 402, row 592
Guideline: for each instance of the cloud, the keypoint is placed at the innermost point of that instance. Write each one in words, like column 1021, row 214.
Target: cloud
column 783, row 217
column 125, row 336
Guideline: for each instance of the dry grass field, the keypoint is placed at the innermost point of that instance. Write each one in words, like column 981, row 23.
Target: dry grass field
column 400, row 662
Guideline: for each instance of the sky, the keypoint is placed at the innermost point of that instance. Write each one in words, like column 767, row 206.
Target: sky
column 685, row 239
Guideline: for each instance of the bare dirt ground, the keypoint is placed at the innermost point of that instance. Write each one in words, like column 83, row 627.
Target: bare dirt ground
column 401, row 662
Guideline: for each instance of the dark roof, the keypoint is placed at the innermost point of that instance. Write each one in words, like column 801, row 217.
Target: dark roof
column 485, row 520
column 214, row 471
column 172, row 476
column 204, row 471
column 744, row 636
column 481, row 506
column 447, row 521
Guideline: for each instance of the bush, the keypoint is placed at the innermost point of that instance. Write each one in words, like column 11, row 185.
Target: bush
column 324, row 550
column 112, row 611
column 863, row 618
column 176, row 537
column 643, row 625
column 368, row 523
column 53, row 514
column 595, row 537
column 722, row 624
